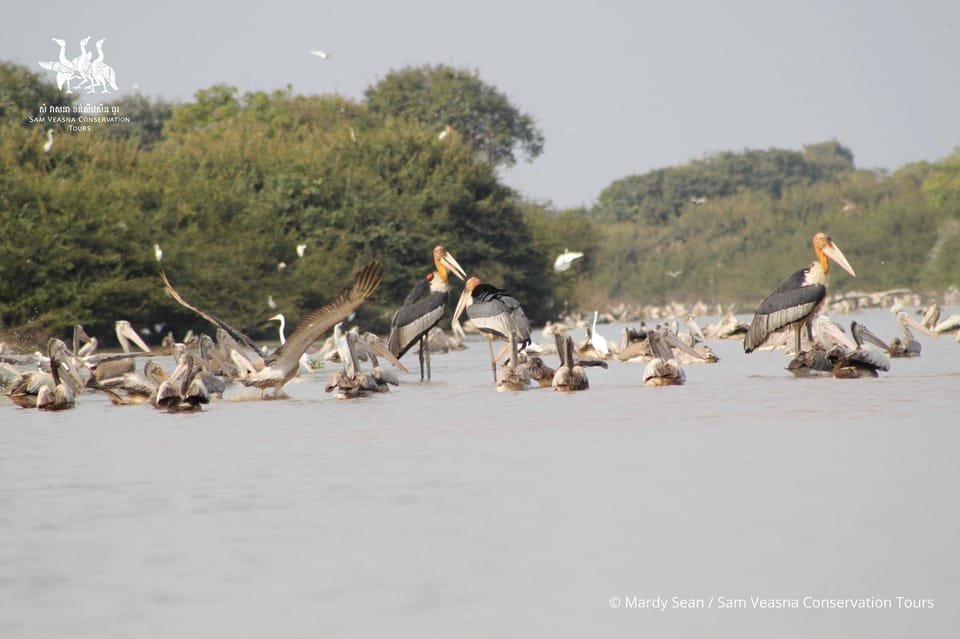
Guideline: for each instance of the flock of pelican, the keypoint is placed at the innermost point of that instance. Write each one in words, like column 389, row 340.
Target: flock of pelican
column 790, row 317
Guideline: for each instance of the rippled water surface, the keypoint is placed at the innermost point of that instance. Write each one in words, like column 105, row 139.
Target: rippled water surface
column 450, row 510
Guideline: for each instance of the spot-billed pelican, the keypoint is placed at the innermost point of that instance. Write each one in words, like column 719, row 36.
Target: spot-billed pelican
column 51, row 391
column 185, row 389
column 908, row 346
column 663, row 369
column 495, row 313
column 796, row 301
column 569, row 375
column 281, row 365
column 423, row 308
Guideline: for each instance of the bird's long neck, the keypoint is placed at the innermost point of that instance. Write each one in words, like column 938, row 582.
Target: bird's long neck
column 63, row 53
column 99, row 53
column 824, row 262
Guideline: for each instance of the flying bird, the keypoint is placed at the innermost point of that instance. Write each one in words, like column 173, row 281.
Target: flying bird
column 849, row 206
column 565, row 259
column 323, row 55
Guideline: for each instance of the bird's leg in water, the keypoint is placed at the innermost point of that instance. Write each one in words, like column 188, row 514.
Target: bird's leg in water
column 422, row 340
column 493, row 359
column 427, row 349
column 799, row 330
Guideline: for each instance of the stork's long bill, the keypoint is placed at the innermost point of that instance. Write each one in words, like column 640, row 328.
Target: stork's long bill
column 465, row 297
column 445, row 261
column 825, row 248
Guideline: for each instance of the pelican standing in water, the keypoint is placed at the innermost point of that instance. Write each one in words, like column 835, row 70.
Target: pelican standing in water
column 795, row 302
column 423, row 308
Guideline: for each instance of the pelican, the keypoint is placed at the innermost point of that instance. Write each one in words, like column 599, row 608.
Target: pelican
column 663, row 369
column 540, row 372
column 696, row 340
column 513, row 376
column 423, row 308
column 931, row 316
column 116, row 364
column 565, row 259
column 50, row 391
column 185, row 389
column 495, row 313
column 350, row 381
column 635, row 344
column 796, row 301
column 61, row 393
column 569, row 375
column 908, row 346
column 862, row 361
column 281, row 365
column 952, row 323
column 48, row 145
column 138, row 388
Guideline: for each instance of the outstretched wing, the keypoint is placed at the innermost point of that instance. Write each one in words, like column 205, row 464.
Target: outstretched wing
column 317, row 322
column 232, row 332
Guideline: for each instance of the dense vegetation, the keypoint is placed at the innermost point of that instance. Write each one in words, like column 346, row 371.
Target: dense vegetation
column 228, row 186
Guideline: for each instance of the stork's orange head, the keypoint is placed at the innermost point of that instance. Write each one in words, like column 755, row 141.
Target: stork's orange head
column 443, row 261
column 825, row 248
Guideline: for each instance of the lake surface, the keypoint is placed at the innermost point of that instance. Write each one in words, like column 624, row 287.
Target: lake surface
column 448, row 509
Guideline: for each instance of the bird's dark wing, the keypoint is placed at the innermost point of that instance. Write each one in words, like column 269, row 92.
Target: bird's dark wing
column 780, row 309
column 413, row 320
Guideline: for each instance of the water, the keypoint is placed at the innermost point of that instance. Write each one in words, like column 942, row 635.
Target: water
column 450, row 510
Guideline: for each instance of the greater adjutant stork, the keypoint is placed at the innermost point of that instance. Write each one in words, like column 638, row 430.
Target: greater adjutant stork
column 495, row 313
column 423, row 308
column 797, row 300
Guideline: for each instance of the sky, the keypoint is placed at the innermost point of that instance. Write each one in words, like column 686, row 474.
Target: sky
column 618, row 87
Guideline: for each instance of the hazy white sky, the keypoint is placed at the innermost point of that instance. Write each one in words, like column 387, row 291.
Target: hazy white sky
column 618, row 87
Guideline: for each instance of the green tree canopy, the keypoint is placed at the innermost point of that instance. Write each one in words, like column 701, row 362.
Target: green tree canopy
column 441, row 96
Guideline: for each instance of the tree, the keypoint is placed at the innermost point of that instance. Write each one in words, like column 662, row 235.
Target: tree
column 440, row 96
column 23, row 92
column 147, row 119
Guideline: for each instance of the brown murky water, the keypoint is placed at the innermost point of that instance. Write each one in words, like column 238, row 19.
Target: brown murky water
column 450, row 510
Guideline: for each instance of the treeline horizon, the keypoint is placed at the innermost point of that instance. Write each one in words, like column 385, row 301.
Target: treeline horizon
column 228, row 186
